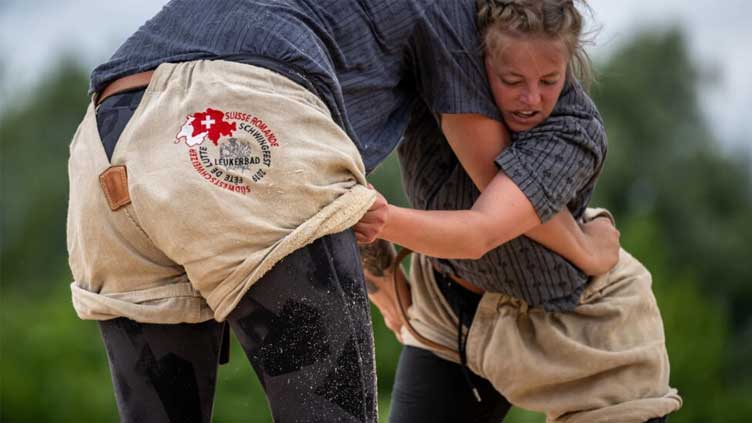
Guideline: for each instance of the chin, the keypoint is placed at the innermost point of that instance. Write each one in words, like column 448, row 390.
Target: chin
column 517, row 127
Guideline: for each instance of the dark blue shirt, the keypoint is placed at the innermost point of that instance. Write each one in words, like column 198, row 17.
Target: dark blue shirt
column 370, row 61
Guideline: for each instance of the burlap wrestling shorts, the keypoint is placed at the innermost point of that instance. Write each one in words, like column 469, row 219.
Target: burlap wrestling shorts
column 605, row 361
column 227, row 169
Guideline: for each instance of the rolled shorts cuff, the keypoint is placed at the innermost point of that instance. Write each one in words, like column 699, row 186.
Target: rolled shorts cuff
column 639, row 410
column 336, row 217
column 174, row 303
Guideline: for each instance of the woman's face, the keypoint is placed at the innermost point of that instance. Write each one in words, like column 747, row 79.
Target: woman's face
column 526, row 78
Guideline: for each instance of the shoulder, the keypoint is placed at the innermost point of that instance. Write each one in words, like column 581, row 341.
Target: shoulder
column 575, row 104
column 575, row 119
column 449, row 22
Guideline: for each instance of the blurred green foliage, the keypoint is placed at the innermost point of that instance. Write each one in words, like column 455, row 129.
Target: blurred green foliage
column 666, row 168
column 682, row 204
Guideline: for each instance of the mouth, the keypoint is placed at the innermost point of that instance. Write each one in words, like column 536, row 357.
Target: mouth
column 523, row 120
column 526, row 115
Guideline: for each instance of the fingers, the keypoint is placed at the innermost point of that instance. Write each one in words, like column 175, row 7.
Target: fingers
column 374, row 206
column 372, row 222
column 366, row 233
column 602, row 219
column 363, row 239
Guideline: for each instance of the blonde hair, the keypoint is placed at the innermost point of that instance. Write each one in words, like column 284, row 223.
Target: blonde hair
column 555, row 19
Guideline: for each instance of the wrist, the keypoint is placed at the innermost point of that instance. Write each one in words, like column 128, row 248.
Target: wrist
column 587, row 253
column 387, row 232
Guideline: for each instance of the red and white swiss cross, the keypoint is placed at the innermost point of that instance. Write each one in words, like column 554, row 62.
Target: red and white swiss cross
column 240, row 151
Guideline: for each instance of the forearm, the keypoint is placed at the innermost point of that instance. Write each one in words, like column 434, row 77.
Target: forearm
column 443, row 234
column 477, row 141
column 500, row 214
column 564, row 236
column 560, row 234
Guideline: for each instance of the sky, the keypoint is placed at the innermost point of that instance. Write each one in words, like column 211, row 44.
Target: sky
column 34, row 34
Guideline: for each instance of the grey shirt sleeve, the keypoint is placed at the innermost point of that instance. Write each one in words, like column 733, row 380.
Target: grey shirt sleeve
column 554, row 161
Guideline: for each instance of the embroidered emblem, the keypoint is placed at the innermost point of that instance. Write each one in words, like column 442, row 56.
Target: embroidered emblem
column 240, row 151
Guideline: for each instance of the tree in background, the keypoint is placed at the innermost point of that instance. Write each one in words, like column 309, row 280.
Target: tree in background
column 664, row 162
column 35, row 132
column 665, row 167
column 680, row 202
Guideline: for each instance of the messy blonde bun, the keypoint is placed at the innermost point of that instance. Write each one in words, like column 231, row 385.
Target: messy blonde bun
column 556, row 19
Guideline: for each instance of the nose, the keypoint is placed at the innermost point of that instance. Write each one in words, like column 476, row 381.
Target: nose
column 531, row 95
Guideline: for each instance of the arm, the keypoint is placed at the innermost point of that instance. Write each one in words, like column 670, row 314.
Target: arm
column 449, row 234
column 476, row 141
column 561, row 233
column 500, row 214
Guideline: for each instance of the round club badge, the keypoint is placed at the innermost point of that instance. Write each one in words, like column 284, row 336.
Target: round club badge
column 238, row 153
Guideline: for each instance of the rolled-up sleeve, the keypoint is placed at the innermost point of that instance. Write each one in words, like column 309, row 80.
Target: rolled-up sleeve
column 552, row 162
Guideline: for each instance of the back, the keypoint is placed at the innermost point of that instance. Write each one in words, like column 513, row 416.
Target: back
column 369, row 60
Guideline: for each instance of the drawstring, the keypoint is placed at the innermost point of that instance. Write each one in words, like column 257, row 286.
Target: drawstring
column 462, row 348
column 461, row 341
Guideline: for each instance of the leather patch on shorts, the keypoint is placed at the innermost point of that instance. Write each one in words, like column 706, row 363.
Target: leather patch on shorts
column 114, row 182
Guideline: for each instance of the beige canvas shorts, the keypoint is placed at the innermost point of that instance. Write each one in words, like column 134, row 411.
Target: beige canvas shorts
column 606, row 361
column 230, row 168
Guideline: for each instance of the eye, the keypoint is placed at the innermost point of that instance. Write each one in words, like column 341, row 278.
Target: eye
column 549, row 82
column 510, row 82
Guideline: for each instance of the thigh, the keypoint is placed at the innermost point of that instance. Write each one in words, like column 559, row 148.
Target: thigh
column 162, row 372
column 428, row 388
column 306, row 329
